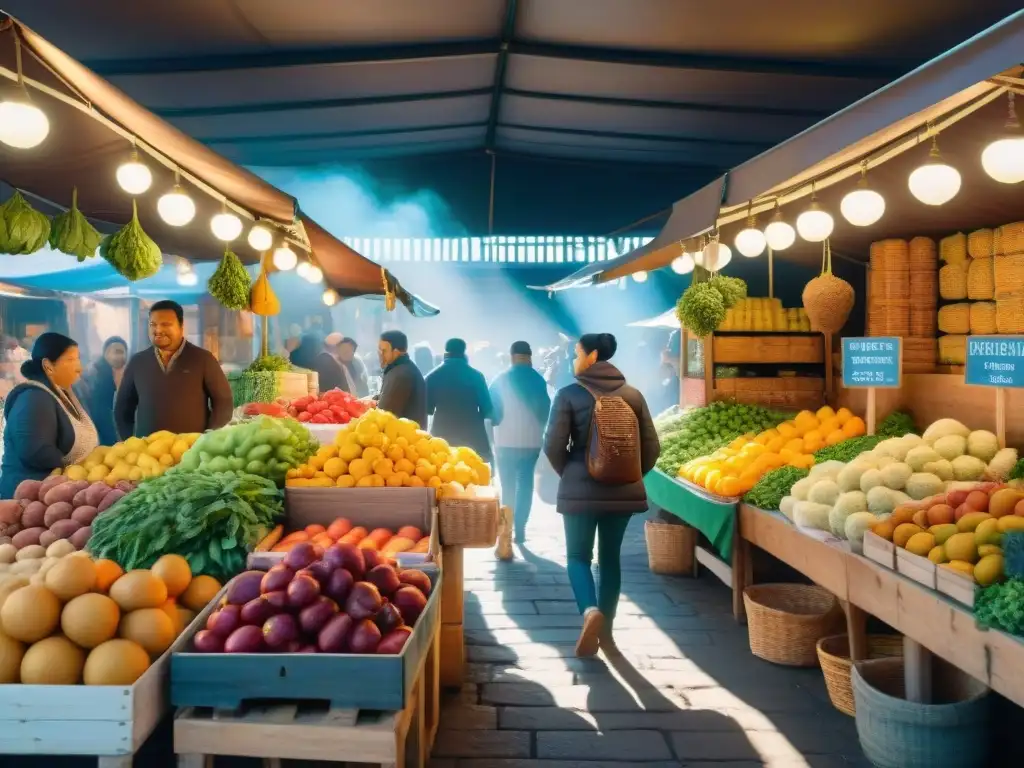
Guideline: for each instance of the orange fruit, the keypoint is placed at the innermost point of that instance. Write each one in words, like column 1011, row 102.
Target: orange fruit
column 107, row 572
column 729, row 486
column 835, row 436
column 855, row 427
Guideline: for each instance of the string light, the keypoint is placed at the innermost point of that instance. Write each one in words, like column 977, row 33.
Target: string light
column 935, row 182
column 302, row 270
column 714, row 256
column 176, row 208
column 330, row 297
column 260, row 238
column 863, row 206
column 1003, row 159
column 815, row 224
column 316, row 275
column 683, row 264
column 226, row 226
column 750, row 242
column 640, row 277
column 779, row 234
column 285, row 258
column 133, row 176
column 23, row 125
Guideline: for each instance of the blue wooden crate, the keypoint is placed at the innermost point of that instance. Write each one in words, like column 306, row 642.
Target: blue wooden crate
column 351, row 681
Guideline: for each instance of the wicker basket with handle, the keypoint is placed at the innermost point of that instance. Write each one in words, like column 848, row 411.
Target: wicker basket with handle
column 785, row 621
column 468, row 522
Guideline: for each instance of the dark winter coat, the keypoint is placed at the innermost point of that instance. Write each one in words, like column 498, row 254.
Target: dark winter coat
column 403, row 391
column 37, row 436
column 565, row 444
column 357, row 371
column 521, row 405
column 458, row 399
column 96, row 391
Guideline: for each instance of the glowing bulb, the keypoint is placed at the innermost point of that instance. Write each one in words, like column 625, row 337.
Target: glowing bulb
column 134, row 177
column 750, row 242
column 640, row 277
column 935, row 182
column 779, row 234
column 260, row 238
column 176, row 208
column 330, row 297
column 226, row 226
column 862, row 207
column 183, row 266
column 316, row 275
column 715, row 256
column 814, row 224
column 683, row 264
column 285, row 258
column 303, row 269
column 1003, row 160
column 23, row 125
column 188, row 278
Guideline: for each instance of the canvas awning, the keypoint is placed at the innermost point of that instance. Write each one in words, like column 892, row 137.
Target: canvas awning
column 91, row 127
column 667, row 319
column 958, row 93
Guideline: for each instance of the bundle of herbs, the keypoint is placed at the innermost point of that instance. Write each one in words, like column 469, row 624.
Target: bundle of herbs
column 72, row 233
column 130, row 250
column 23, row 229
column 230, row 283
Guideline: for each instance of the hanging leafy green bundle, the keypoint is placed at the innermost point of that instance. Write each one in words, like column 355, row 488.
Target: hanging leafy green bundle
column 25, row 229
column 230, row 284
column 733, row 289
column 71, row 232
column 131, row 251
column 701, row 309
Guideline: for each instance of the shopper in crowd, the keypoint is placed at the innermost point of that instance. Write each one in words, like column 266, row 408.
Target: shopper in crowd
column 174, row 385
column 424, row 358
column 403, row 390
column 46, row 428
column 592, row 506
column 352, row 369
column 458, row 399
column 312, row 355
column 98, row 387
column 520, row 401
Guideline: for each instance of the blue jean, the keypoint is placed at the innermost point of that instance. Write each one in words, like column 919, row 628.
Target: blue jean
column 580, row 531
column 516, row 467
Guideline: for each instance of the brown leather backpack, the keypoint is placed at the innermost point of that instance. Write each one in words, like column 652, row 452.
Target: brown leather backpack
column 613, row 445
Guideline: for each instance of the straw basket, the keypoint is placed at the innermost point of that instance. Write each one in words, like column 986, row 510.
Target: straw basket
column 1011, row 237
column 997, row 241
column 953, row 281
column 889, row 318
column 981, row 278
column 670, row 547
column 468, row 522
column 834, row 657
column 919, row 355
column 1010, row 315
column 952, row 350
column 983, row 318
column 979, row 243
column 785, row 621
column 1009, row 275
column 923, row 323
column 922, row 253
column 953, row 249
column 955, row 318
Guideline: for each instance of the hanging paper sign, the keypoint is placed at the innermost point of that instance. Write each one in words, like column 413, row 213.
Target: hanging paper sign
column 873, row 361
column 995, row 361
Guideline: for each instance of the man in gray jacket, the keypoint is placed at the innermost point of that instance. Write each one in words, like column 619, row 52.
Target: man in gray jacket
column 403, row 391
column 520, row 405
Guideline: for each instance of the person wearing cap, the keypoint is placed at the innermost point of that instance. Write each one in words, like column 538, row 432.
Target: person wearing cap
column 521, row 403
column 458, row 399
column 352, row 369
column 403, row 391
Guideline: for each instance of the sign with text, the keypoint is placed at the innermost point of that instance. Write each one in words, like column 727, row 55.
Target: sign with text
column 995, row 361
column 873, row 361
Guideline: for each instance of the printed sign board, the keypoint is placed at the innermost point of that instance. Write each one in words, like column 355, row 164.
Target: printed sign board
column 873, row 361
column 995, row 361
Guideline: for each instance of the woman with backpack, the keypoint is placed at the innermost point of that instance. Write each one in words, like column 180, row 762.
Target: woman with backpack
column 601, row 441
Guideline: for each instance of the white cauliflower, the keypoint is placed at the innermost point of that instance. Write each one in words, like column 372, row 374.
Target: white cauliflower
column 828, row 469
column 882, row 500
column 944, row 427
column 871, row 479
column 921, row 485
column 1001, row 465
column 846, row 505
column 982, row 444
column 895, row 475
column 856, row 526
column 968, row 468
column 950, row 446
column 786, row 506
column 848, row 478
column 808, row 514
column 942, row 469
column 801, row 488
column 921, row 455
column 824, row 492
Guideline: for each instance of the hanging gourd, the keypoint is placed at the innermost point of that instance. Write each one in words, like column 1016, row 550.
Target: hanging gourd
column 131, row 251
column 828, row 299
column 262, row 301
column 230, row 284
column 23, row 229
column 71, row 232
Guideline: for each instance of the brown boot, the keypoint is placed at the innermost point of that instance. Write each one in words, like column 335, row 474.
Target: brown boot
column 593, row 626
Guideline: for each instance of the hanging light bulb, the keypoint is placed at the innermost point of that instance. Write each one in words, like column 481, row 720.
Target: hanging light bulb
column 183, row 266
column 176, row 208
column 715, row 256
column 226, row 226
column 750, row 241
column 134, row 177
column 683, row 264
column 863, row 206
column 1003, row 159
column 815, row 224
column 330, row 297
column 315, row 275
column 285, row 258
column 23, row 125
column 302, row 270
column 640, row 277
column 260, row 238
column 779, row 234
column 186, row 275
column 935, row 182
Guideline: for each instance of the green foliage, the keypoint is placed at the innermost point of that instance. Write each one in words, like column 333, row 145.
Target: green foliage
column 1013, row 554
column 1017, row 473
column 130, row 250
column 24, row 229
column 733, row 289
column 701, row 309
column 847, row 450
column 271, row 363
column 896, row 424
column 768, row 492
column 213, row 520
column 1001, row 606
column 71, row 232
column 230, row 283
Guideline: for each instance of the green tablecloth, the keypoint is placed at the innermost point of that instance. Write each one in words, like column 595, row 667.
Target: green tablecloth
column 715, row 519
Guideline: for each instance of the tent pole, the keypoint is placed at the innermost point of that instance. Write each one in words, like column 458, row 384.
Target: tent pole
column 771, row 274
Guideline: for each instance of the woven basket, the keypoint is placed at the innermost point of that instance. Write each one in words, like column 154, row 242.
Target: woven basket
column 1011, row 237
column 890, row 255
column 785, row 621
column 952, row 350
column 953, row 281
column 468, row 522
column 922, row 253
column 890, row 318
column 953, row 249
column 953, row 732
column 983, row 318
column 981, row 278
column 671, row 547
column 923, row 323
column 1010, row 315
column 997, row 241
column 834, row 657
column 919, row 355
column 979, row 243
column 1008, row 275
column 955, row 318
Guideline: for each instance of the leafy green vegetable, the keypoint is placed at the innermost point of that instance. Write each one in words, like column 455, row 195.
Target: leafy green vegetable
column 701, row 309
column 71, row 232
column 25, row 230
column 212, row 520
column 230, row 283
column 1001, row 606
column 253, row 387
column 896, row 424
column 130, row 250
column 1013, row 554
column 1017, row 472
column 847, row 450
column 272, row 363
column 767, row 492
column 733, row 289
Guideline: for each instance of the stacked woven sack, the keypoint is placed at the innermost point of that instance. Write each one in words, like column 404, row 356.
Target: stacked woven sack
column 902, row 298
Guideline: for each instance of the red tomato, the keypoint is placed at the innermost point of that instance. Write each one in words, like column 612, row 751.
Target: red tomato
column 319, row 419
column 304, row 416
column 302, row 402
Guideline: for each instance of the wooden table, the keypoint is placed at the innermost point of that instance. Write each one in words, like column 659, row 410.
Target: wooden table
column 929, row 622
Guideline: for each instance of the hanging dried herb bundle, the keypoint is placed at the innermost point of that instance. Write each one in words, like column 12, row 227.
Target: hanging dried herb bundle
column 25, row 230
column 701, row 309
column 828, row 299
column 230, row 284
column 72, row 233
column 131, row 251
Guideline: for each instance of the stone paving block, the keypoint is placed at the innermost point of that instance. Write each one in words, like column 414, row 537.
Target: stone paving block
column 467, row 717
column 737, row 745
column 516, row 608
column 556, row 719
column 546, row 621
column 617, row 745
column 654, row 641
column 520, row 592
column 766, row 701
column 600, row 697
column 566, row 764
column 479, row 743
column 693, row 677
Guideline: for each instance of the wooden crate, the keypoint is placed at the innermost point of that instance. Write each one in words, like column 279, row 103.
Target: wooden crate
column 453, row 655
column 879, row 550
column 955, row 585
column 768, row 348
column 915, row 567
column 301, row 730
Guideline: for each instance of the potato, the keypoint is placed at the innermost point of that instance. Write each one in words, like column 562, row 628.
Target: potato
column 81, row 537
column 8, row 553
column 49, row 562
column 46, row 538
column 28, row 537
column 28, row 490
column 80, row 499
column 51, row 482
column 3, row 571
column 34, row 515
column 6, row 539
column 60, row 510
column 26, row 567
column 113, row 496
column 94, row 493
column 10, row 511
column 62, row 493
column 33, row 552
column 65, row 529
column 12, row 531
column 59, row 549
column 85, row 515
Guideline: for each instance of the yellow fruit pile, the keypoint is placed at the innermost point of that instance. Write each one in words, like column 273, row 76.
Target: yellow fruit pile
column 379, row 450
column 733, row 470
column 137, row 458
column 83, row 621
column 760, row 314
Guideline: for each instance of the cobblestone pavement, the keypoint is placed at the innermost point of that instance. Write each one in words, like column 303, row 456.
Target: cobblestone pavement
column 686, row 692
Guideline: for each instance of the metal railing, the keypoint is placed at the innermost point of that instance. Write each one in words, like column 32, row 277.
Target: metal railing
column 497, row 249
